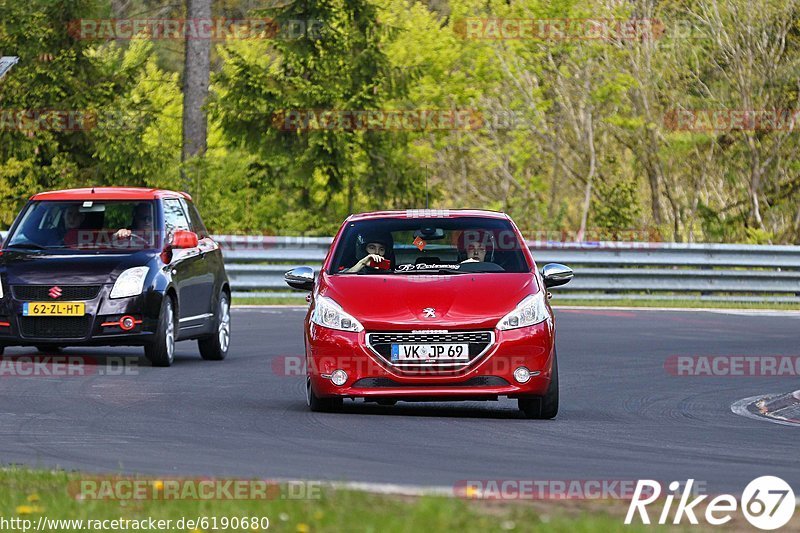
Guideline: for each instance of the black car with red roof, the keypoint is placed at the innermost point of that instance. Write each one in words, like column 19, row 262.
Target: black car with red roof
column 113, row 266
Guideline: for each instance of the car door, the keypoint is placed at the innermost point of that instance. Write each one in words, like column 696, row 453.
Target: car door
column 211, row 252
column 207, row 283
column 188, row 273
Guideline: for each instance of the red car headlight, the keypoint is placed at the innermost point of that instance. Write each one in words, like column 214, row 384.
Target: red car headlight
column 530, row 311
column 329, row 314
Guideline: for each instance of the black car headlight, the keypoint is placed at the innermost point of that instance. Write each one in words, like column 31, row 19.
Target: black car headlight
column 130, row 282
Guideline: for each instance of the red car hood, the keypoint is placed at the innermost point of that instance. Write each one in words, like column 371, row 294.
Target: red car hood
column 396, row 302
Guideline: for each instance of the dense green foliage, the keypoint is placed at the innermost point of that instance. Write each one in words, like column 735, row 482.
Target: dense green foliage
column 589, row 136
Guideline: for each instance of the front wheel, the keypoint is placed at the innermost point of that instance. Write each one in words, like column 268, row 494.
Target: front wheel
column 215, row 347
column 543, row 407
column 321, row 405
column 161, row 352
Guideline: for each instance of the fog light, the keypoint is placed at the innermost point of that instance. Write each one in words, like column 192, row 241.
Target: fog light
column 127, row 323
column 339, row 377
column 522, row 375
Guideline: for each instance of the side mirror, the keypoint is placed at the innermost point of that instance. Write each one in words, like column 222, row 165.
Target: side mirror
column 301, row 278
column 182, row 239
column 555, row 274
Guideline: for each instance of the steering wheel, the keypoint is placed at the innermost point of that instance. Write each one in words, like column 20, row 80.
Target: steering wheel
column 133, row 237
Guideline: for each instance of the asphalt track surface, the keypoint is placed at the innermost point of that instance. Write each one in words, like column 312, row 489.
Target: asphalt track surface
column 622, row 415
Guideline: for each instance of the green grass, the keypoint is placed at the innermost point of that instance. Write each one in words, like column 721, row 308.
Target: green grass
column 29, row 494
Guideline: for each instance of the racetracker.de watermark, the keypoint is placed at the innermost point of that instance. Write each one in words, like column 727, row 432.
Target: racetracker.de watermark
column 559, row 29
column 173, row 489
column 47, row 366
column 733, row 365
column 377, row 119
column 296, row 365
column 550, row 489
column 180, row 29
column 33, row 120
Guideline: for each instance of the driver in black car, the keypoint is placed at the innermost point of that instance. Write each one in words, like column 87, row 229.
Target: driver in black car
column 142, row 224
column 372, row 248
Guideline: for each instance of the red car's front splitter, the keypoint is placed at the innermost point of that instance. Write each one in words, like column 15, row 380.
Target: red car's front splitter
column 490, row 376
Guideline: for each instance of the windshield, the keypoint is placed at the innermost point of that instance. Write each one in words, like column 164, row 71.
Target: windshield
column 85, row 225
column 410, row 246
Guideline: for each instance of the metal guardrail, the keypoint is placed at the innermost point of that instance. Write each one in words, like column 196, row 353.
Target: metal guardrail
column 603, row 270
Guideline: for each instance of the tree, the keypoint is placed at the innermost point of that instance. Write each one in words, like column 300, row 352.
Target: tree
column 116, row 99
column 334, row 64
column 196, row 76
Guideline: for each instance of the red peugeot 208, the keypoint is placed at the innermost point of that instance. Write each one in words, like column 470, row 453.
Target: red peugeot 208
column 430, row 306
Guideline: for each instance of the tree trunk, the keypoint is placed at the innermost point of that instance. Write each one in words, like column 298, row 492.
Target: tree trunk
column 195, row 85
column 587, row 196
column 118, row 8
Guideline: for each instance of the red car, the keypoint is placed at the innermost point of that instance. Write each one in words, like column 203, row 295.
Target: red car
column 430, row 306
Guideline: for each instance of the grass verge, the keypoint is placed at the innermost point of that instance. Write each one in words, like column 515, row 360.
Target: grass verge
column 31, row 494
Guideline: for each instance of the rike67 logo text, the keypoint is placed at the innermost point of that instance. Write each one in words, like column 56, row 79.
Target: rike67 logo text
column 768, row 503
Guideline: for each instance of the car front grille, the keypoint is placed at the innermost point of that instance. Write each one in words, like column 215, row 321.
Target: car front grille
column 69, row 293
column 478, row 342
column 54, row 327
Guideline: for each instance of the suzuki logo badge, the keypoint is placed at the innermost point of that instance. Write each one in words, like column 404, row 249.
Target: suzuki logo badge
column 55, row 292
column 429, row 312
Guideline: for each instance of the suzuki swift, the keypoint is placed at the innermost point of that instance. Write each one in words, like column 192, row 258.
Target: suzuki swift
column 113, row 266
column 430, row 306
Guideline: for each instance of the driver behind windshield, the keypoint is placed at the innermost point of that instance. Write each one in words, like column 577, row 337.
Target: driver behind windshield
column 474, row 245
column 142, row 223
column 372, row 249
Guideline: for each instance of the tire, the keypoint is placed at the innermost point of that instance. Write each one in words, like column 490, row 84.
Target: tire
column 543, row 407
column 387, row 402
column 321, row 405
column 48, row 348
column 161, row 352
column 215, row 347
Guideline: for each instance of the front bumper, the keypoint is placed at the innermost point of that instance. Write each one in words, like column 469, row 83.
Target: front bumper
column 487, row 377
column 95, row 328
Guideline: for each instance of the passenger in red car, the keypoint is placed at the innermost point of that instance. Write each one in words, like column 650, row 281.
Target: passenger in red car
column 373, row 249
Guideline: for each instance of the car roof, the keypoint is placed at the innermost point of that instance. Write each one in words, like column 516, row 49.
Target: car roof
column 428, row 213
column 110, row 193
